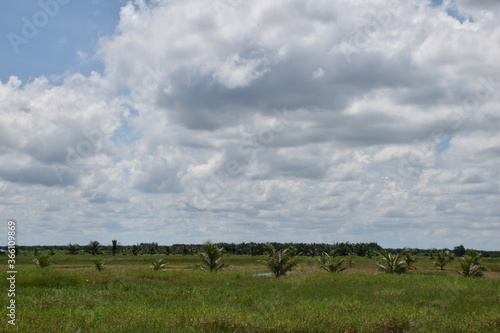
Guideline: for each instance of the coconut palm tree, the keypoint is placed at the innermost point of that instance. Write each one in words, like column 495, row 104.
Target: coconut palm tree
column 280, row 261
column 211, row 257
column 391, row 263
column 43, row 261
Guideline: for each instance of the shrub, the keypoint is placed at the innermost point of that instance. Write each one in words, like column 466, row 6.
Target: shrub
column 43, row 261
column 280, row 261
column 330, row 263
column 470, row 264
column 211, row 257
column 391, row 263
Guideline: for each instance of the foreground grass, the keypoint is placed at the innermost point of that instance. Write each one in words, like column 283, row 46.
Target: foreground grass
column 130, row 297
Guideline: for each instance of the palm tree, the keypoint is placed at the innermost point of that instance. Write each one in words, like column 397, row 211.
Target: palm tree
column 43, row 261
column 158, row 265
column 211, row 257
column 409, row 259
column 73, row 249
column 100, row 265
column 280, row 261
column 442, row 258
column 471, row 264
column 114, row 246
column 391, row 263
column 330, row 264
column 94, row 247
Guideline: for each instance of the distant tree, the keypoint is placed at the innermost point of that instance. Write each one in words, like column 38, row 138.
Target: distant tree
column 73, row 249
column 135, row 250
column 459, row 251
column 114, row 246
column 211, row 257
column 37, row 252
column 93, row 247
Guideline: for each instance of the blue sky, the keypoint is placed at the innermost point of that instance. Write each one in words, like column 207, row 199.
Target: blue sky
column 75, row 27
column 182, row 121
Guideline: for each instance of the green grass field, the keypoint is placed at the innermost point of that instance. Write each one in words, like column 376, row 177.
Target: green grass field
column 128, row 296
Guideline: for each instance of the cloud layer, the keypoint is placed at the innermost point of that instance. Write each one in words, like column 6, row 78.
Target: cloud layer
column 262, row 121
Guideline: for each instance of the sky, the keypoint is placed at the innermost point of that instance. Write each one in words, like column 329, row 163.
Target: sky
column 320, row 121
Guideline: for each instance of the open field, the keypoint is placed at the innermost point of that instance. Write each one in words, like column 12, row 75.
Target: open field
column 72, row 296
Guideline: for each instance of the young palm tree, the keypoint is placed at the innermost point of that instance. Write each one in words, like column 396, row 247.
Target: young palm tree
column 99, row 265
column 280, row 262
column 330, row 263
column 391, row 263
column 442, row 258
column 409, row 259
column 43, row 261
column 471, row 264
column 211, row 257
column 73, row 249
column 94, row 247
column 158, row 265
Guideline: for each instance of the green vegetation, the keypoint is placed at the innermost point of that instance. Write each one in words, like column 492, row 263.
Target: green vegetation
column 100, row 264
column 71, row 296
column 330, row 263
column 211, row 257
column 43, row 261
column 470, row 265
column 158, row 264
column 391, row 263
column 280, row 261
column 442, row 258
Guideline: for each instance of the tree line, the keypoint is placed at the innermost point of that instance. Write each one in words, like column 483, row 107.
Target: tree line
column 244, row 248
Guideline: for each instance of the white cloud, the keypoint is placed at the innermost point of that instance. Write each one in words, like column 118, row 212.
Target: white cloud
column 281, row 121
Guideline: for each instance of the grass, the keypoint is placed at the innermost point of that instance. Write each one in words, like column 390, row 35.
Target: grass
column 71, row 296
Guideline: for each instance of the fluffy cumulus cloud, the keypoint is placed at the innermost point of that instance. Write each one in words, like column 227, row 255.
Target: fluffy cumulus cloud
column 312, row 121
